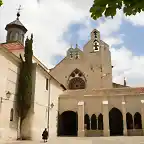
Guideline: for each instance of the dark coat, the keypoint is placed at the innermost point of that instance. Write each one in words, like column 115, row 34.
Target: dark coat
column 45, row 134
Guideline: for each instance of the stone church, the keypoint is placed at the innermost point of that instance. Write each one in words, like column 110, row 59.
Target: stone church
column 93, row 105
column 75, row 98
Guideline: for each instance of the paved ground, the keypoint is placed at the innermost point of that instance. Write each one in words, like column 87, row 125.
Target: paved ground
column 88, row 140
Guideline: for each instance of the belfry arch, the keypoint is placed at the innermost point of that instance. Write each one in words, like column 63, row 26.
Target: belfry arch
column 76, row 80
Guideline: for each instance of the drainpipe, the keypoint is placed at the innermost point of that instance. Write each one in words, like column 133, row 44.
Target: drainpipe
column 48, row 105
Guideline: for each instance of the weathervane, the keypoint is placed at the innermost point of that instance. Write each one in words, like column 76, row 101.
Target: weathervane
column 18, row 12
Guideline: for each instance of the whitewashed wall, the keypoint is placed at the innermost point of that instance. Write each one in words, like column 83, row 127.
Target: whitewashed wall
column 55, row 91
column 8, row 78
column 40, row 105
column 40, row 118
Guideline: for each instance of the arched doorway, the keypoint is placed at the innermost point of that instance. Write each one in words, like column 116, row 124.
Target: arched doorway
column 68, row 124
column 115, row 122
column 137, row 121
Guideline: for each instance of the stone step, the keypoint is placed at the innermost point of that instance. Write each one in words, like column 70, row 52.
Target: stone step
column 85, row 140
column 98, row 140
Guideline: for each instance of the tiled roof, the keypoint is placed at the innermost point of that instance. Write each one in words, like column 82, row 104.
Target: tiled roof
column 16, row 23
column 12, row 46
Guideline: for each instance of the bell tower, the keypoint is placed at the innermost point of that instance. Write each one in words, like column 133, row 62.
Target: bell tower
column 16, row 30
column 95, row 37
column 99, row 57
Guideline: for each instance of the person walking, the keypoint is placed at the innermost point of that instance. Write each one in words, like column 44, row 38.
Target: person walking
column 45, row 135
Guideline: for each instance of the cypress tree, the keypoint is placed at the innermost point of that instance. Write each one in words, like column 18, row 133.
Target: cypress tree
column 24, row 92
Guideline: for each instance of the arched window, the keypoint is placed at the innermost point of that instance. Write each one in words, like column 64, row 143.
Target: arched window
column 77, row 83
column 22, row 38
column 16, row 36
column 137, row 121
column 129, row 120
column 12, row 36
column 9, row 35
column 11, row 114
column 76, row 80
column 100, row 122
column 87, row 121
column 93, row 122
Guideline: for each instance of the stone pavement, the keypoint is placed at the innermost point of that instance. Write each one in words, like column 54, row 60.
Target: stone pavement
column 85, row 140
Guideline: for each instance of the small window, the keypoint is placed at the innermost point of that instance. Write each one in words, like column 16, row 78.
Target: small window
column 71, row 55
column 77, row 55
column 16, row 36
column 11, row 114
column 46, row 84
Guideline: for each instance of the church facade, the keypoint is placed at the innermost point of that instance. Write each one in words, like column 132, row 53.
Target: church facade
column 93, row 105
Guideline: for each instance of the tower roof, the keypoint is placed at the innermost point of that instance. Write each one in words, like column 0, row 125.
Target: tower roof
column 16, row 24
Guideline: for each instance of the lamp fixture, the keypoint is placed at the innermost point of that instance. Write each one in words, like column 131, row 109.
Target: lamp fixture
column 8, row 94
column 51, row 106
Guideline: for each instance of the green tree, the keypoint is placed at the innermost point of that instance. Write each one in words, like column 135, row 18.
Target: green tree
column 24, row 93
column 109, row 7
column 1, row 2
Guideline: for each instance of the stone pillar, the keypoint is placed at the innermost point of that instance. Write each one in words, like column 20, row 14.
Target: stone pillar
column 106, row 131
column 81, row 127
column 142, row 115
column 124, row 117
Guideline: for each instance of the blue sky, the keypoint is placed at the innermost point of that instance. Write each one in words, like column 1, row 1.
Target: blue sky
column 132, row 39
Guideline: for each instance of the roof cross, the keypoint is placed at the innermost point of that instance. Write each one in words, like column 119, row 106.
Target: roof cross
column 18, row 12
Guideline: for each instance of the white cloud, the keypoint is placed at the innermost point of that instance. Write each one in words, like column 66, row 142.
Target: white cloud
column 126, row 64
column 51, row 18
column 136, row 20
column 109, row 25
column 46, row 21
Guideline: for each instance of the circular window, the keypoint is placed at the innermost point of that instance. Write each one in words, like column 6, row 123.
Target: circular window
column 77, row 83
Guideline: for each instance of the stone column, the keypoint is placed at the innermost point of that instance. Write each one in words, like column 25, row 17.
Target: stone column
column 124, row 116
column 81, row 128
column 106, row 131
column 142, row 115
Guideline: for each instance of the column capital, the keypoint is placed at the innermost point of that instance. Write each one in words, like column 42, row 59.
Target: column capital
column 81, row 103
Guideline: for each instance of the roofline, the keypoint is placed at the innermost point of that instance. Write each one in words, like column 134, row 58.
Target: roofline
column 61, row 85
column 15, row 25
column 120, row 84
column 37, row 62
column 7, row 52
column 47, row 71
column 57, row 64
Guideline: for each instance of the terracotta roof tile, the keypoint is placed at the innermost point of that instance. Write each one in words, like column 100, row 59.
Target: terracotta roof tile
column 12, row 46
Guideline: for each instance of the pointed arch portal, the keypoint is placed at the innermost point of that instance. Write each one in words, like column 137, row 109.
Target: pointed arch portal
column 115, row 122
column 68, row 124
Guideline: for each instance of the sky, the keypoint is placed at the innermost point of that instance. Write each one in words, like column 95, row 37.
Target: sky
column 58, row 24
